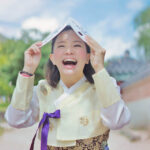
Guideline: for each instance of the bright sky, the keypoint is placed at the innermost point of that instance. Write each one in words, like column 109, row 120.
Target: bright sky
column 110, row 22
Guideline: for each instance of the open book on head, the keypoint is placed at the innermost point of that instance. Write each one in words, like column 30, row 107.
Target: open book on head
column 73, row 24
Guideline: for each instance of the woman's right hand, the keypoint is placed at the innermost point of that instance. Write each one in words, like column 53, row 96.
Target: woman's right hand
column 32, row 57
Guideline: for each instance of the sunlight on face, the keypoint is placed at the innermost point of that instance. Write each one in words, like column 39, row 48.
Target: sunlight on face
column 70, row 55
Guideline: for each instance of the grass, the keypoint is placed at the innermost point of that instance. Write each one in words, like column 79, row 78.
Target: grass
column 3, row 106
column 1, row 131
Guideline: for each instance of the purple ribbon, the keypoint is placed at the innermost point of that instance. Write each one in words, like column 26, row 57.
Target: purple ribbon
column 45, row 129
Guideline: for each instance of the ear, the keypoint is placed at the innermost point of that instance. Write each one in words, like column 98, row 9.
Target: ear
column 51, row 57
column 88, row 58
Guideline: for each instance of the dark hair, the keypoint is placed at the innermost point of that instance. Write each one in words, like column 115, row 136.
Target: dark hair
column 52, row 72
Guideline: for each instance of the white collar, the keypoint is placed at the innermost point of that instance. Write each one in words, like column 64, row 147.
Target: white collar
column 73, row 87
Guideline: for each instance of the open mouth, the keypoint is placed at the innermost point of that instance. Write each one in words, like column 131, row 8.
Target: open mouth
column 69, row 62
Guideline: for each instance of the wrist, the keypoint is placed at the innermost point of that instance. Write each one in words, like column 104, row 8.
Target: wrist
column 99, row 68
column 26, row 74
column 28, row 70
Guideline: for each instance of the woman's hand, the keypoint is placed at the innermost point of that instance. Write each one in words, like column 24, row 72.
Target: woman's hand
column 97, row 54
column 32, row 58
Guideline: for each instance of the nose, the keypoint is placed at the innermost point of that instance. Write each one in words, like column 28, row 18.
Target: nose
column 69, row 50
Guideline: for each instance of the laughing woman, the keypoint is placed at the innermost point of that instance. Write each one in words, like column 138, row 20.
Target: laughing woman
column 77, row 104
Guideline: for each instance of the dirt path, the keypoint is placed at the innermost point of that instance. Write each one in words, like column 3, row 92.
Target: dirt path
column 121, row 142
column 20, row 139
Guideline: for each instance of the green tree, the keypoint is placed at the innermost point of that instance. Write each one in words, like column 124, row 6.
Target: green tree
column 142, row 25
column 5, row 86
column 12, row 58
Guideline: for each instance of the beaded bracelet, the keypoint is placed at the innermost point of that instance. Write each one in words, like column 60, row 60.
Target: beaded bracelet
column 27, row 73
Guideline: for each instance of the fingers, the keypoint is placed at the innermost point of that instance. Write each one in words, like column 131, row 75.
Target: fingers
column 39, row 44
column 94, row 45
column 35, row 48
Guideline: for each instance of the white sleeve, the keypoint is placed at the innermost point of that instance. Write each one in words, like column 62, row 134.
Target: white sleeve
column 20, row 118
column 117, row 115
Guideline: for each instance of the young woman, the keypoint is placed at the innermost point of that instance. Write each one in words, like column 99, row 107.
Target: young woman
column 78, row 102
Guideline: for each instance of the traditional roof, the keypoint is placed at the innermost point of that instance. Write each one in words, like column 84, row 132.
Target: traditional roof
column 142, row 73
column 124, row 67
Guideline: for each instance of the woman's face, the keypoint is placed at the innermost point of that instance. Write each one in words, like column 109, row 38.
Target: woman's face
column 69, row 54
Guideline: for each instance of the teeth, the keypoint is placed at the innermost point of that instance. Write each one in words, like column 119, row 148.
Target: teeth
column 70, row 60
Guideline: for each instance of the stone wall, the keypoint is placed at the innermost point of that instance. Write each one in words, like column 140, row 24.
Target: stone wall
column 137, row 91
column 137, row 97
column 140, row 113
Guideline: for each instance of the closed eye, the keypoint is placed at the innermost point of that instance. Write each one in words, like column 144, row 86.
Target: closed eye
column 77, row 45
column 59, row 46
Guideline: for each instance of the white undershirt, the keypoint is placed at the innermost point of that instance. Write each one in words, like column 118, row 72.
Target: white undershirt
column 68, row 91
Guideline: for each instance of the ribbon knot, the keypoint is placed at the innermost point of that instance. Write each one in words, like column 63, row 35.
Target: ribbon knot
column 45, row 129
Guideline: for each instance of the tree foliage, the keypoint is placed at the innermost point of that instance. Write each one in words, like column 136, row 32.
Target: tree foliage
column 142, row 24
column 12, row 59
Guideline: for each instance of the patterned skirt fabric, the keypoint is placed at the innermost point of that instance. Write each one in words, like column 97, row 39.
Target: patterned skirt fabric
column 95, row 143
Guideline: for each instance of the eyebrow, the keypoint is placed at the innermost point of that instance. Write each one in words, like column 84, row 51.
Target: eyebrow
column 77, row 41
column 60, row 42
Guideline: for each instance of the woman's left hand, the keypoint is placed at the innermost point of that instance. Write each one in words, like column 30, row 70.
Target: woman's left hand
column 97, row 54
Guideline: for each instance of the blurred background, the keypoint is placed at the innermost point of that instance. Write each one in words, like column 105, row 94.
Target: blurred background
column 121, row 27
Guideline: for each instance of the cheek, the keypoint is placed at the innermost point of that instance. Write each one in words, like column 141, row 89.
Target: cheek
column 57, row 54
column 82, row 55
column 57, row 57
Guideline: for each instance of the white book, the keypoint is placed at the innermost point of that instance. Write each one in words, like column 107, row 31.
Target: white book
column 73, row 24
